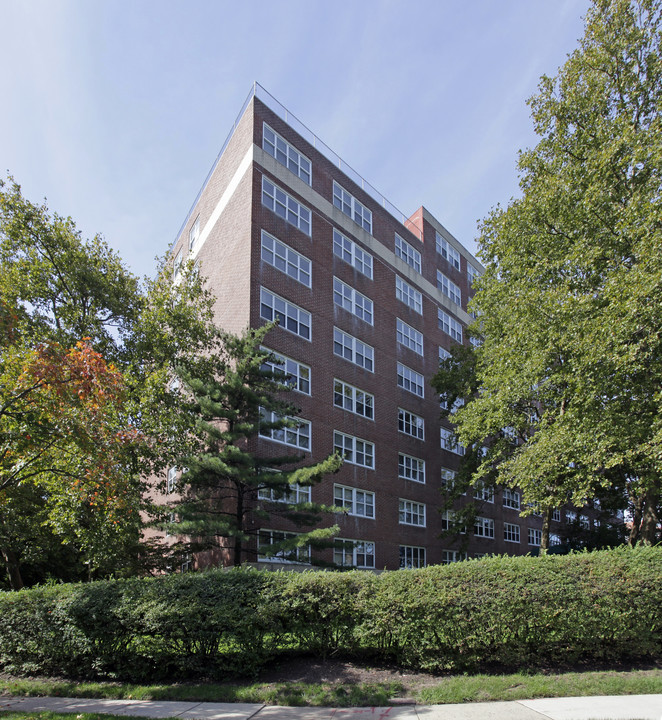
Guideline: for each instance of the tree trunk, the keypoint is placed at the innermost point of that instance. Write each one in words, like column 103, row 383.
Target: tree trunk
column 238, row 544
column 13, row 568
column 637, row 503
column 546, row 520
column 650, row 518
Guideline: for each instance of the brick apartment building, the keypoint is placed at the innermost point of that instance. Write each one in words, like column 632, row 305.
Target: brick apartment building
column 368, row 301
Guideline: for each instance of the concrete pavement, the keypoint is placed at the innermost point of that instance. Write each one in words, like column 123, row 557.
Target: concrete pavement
column 622, row 707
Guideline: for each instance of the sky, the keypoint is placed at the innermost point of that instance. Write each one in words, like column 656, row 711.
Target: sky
column 115, row 110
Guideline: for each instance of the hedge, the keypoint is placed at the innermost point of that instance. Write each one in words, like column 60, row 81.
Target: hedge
column 505, row 612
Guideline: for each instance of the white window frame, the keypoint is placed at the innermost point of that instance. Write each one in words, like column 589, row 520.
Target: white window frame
column 362, row 553
column 281, row 256
column 352, row 207
column 408, row 295
column 472, row 273
column 411, row 468
column 411, row 381
column 484, row 492
column 353, row 399
column 295, row 374
column 584, row 522
column 286, row 207
column 171, row 482
column 194, row 233
column 556, row 515
column 286, row 154
column 411, row 513
column 449, row 288
column 511, row 499
column 348, row 251
column 350, row 299
column 448, row 520
column 448, row 443
column 570, row 516
column 408, row 253
column 298, row 436
column 484, row 527
column 535, row 537
column 449, row 325
column 412, row 557
column 354, row 501
column 177, row 266
column 448, row 478
column 297, row 555
column 447, row 251
column 354, row 350
column 355, row 450
column 409, row 337
column 287, row 313
column 511, row 532
column 452, row 556
column 411, row 424
column 443, row 353
column 294, row 494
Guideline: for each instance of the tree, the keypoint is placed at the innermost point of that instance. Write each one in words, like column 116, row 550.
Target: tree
column 236, row 398
column 571, row 300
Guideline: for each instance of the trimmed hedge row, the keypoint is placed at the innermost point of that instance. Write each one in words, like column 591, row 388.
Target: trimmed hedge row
column 511, row 612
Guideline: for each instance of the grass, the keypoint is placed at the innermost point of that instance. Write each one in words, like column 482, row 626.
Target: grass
column 454, row 689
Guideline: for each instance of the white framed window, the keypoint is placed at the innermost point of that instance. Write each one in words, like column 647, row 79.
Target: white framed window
column 511, row 532
column 171, row 483
column 448, row 252
column 511, row 499
column 449, row 325
column 177, row 266
column 352, row 399
column 570, row 516
column 448, row 478
column 535, row 537
column 407, row 253
column 449, row 288
column 411, row 424
column 290, row 316
column 408, row 295
column 443, row 353
column 411, row 513
column 285, row 259
column 409, row 337
column 348, row 204
column 292, row 495
column 295, row 374
column 411, row 468
column 352, row 349
column 584, row 522
column 350, row 299
column 286, row 154
column 285, row 206
column 412, row 556
column 355, row 450
column 554, row 539
column 448, row 522
column 483, row 492
column 266, row 539
column 484, row 527
column 353, row 553
column 194, row 233
column 352, row 254
column 410, row 380
column 450, row 443
column 556, row 515
column 452, row 556
column 356, row 502
column 472, row 273
column 297, row 436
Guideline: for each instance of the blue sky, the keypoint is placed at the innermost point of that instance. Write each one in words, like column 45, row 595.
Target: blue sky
column 114, row 110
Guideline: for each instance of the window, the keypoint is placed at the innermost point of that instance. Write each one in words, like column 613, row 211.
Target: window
column 570, row 516
column 451, row 556
column 194, row 233
column 290, row 317
column 292, row 495
column 411, row 513
column 285, row 206
column 350, row 299
column 484, row 527
column 449, row 522
column 354, row 450
column 295, row 374
column 411, row 468
column 286, row 155
column 511, row 532
column 584, row 522
column 411, row 424
column 351, row 253
column 443, row 354
column 448, row 442
column 448, row 252
column 449, row 288
column 172, row 479
column 449, row 325
column 266, row 539
column 177, row 267
column 408, row 337
column 554, row 539
column 408, row 295
column 448, row 478
column 407, row 253
column 354, row 553
column 535, row 537
column 410, row 380
column 352, row 207
column 412, row 557
column 556, row 515
column 297, row 436
column 352, row 349
column 511, row 499
column 472, row 273
column 484, row 493
column 352, row 399
column 355, row 502
column 283, row 258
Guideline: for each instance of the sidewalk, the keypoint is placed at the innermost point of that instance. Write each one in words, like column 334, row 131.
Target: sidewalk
column 623, row 707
